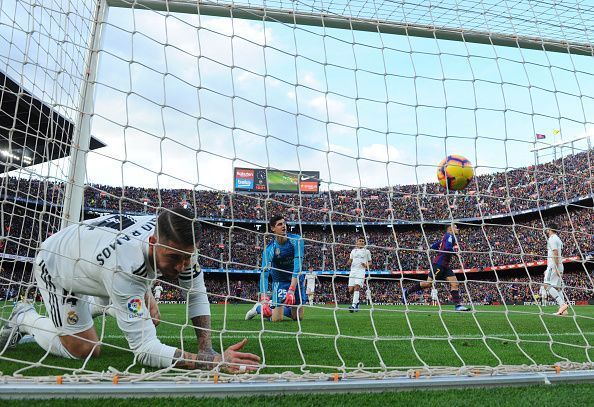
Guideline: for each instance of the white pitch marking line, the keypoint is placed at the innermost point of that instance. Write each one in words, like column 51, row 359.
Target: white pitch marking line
column 303, row 336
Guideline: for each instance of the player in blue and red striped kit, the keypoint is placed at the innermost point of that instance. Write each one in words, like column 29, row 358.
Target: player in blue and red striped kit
column 440, row 268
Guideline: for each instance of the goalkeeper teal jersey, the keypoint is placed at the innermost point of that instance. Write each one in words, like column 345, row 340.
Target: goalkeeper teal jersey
column 281, row 262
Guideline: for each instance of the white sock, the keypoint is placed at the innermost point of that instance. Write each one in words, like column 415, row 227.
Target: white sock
column 101, row 306
column 355, row 298
column 558, row 296
column 44, row 332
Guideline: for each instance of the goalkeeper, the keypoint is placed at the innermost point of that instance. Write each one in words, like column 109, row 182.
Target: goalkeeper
column 282, row 259
column 115, row 259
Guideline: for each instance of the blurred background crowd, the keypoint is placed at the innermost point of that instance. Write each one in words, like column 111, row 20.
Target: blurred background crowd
column 234, row 227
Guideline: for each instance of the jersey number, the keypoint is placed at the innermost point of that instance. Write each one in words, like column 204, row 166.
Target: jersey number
column 117, row 222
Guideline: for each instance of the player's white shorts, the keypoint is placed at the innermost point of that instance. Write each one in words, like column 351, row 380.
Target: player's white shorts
column 157, row 295
column 434, row 297
column 552, row 278
column 70, row 313
column 356, row 278
column 310, row 289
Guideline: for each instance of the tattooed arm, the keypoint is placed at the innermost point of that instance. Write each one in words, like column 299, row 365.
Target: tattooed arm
column 202, row 327
column 231, row 361
column 192, row 361
column 234, row 361
column 206, row 358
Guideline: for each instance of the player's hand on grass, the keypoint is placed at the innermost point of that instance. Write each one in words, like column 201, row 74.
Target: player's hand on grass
column 235, row 361
column 290, row 297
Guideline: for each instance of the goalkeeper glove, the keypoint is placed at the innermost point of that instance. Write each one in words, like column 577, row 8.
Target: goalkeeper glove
column 265, row 303
column 290, row 297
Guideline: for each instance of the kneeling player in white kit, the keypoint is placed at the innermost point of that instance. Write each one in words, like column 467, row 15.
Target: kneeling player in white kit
column 115, row 258
column 359, row 260
column 553, row 278
column 310, row 285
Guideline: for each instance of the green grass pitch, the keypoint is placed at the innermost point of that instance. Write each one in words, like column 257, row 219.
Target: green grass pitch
column 330, row 340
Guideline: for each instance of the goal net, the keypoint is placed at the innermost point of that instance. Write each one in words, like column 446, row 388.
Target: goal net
column 336, row 116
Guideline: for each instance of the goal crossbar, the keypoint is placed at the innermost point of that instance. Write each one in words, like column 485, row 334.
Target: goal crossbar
column 358, row 24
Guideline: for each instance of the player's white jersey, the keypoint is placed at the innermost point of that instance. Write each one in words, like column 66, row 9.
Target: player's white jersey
column 359, row 256
column 434, row 294
column 554, row 272
column 554, row 243
column 158, row 291
column 368, row 295
column 107, row 257
column 310, row 282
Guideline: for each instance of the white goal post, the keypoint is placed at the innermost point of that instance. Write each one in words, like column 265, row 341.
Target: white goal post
column 363, row 97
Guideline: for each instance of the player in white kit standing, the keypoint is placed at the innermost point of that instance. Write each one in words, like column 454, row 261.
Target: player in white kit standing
column 359, row 260
column 434, row 297
column 310, row 285
column 158, row 291
column 543, row 295
column 553, row 278
column 115, row 259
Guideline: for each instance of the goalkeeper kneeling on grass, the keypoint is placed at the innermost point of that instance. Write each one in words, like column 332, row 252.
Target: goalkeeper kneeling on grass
column 282, row 260
column 114, row 260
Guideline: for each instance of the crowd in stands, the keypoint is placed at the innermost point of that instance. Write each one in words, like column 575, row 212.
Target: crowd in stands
column 479, row 245
column 578, row 287
column 497, row 193
column 488, row 288
column 493, row 194
column 31, row 213
column 24, row 227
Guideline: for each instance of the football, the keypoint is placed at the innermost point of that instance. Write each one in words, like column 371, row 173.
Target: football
column 455, row 172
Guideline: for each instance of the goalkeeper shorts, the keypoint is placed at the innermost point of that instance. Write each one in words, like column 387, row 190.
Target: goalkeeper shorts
column 279, row 292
